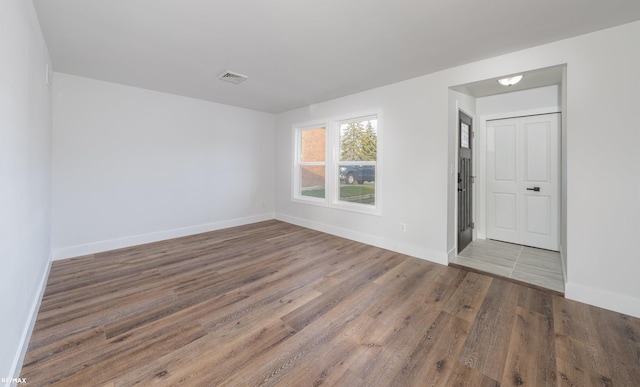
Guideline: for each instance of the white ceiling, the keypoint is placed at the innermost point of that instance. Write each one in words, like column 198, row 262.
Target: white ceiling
column 299, row 52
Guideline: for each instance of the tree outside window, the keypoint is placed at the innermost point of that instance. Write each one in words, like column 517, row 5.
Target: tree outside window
column 358, row 157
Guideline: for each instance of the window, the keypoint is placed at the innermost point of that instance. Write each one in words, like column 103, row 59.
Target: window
column 336, row 164
column 358, row 154
column 311, row 162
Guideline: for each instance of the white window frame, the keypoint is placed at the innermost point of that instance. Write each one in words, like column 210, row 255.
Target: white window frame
column 332, row 164
column 374, row 209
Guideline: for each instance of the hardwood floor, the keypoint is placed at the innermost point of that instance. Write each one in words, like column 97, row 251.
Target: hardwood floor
column 276, row 304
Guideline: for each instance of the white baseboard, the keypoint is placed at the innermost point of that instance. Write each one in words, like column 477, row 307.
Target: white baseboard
column 603, row 299
column 113, row 244
column 451, row 254
column 385, row 243
column 16, row 367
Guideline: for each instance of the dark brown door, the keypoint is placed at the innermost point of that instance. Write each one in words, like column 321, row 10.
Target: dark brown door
column 465, row 181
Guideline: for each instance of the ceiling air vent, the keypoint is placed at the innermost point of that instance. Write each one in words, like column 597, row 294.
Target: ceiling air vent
column 232, row 77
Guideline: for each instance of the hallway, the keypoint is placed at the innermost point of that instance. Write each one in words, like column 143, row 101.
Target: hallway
column 537, row 267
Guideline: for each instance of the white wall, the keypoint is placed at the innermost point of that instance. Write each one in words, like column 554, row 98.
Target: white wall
column 603, row 176
column 519, row 101
column 603, row 180
column 25, row 177
column 413, row 165
column 133, row 166
column 563, row 174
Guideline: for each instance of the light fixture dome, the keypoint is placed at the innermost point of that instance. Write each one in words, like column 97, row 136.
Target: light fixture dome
column 510, row 81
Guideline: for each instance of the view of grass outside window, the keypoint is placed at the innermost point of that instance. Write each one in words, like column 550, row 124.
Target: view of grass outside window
column 312, row 162
column 358, row 157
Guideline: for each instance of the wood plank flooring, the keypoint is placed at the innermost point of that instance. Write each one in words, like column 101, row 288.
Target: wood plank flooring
column 276, row 304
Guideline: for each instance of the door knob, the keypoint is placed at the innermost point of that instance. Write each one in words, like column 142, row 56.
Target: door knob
column 536, row 189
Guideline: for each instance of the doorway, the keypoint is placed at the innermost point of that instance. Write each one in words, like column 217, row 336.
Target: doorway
column 519, row 183
column 542, row 91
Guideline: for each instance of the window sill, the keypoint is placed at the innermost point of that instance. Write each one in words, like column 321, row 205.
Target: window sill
column 341, row 206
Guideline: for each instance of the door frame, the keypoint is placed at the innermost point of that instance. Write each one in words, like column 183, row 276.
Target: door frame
column 469, row 200
column 454, row 172
column 480, row 163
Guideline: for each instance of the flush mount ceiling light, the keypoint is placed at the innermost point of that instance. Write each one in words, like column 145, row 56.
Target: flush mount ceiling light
column 510, row 81
column 232, row 77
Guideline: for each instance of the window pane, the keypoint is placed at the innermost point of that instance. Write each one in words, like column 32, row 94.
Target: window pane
column 312, row 181
column 359, row 140
column 312, row 145
column 357, row 184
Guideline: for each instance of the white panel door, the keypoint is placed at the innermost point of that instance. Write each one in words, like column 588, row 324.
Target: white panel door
column 540, row 181
column 523, row 180
column 503, row 138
